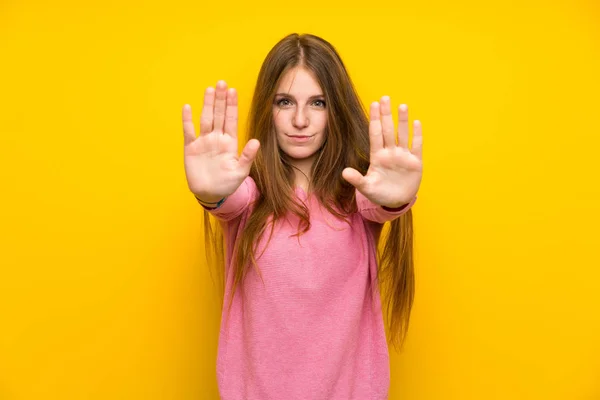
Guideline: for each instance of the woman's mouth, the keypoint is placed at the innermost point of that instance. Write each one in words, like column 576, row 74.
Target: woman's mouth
column 299, row 138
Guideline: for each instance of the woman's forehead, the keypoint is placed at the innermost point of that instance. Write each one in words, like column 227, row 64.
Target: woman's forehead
column 300, row 83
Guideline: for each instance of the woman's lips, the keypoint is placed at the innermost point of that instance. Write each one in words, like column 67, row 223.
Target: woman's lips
column 299, row 138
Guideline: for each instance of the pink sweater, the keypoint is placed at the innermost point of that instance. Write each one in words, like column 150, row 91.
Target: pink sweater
column 314, row 330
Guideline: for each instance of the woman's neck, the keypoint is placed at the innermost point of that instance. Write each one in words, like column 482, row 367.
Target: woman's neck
column 302, row 170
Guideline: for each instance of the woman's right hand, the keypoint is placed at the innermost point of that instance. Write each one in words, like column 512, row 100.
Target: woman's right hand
column 212, row 166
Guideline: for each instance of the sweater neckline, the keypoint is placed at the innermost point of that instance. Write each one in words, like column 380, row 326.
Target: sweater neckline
column 301, row 192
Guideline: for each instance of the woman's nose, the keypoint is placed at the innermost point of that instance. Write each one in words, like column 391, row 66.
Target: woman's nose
column 300, row 120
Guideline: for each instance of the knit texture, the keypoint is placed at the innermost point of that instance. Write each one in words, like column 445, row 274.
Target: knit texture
column 313, row 330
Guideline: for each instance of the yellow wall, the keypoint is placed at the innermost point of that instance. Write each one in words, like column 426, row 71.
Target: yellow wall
column 104, row 293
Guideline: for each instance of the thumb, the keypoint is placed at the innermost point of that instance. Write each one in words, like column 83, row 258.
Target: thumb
column 353, row 177
column 249, row 154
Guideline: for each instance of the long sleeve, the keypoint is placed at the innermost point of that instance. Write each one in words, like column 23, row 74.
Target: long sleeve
column 377, row 213
column 237, row 202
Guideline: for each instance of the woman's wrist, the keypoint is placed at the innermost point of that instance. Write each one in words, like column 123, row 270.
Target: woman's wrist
column 208, row 200
column 212, row 205
column 398, row 207
column 395, row 208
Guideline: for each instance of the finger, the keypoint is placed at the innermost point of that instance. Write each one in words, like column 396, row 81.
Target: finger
column 403, row 126
column 387, row 123
column 189, row 133
column 417, row 141
column 375, row 137
column 206, row 120
column 249, row 154
column 231, row 113
column 354, row 177
column 220, row 99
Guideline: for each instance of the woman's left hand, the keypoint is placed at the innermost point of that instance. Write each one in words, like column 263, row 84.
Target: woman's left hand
column 395, row 171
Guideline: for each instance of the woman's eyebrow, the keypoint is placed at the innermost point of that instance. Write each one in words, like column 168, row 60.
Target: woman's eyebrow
column 292, row 96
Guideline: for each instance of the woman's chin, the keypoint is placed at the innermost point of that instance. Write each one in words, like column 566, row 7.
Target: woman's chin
column 299, row 155
column 299, row 152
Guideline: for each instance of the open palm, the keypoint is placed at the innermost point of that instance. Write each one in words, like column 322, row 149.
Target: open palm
column 395, row 171
column 212, row 165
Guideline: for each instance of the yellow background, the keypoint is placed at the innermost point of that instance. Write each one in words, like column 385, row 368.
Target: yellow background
column 104, row 292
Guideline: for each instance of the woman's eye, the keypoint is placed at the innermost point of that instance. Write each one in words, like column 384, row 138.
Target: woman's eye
column 287, row 102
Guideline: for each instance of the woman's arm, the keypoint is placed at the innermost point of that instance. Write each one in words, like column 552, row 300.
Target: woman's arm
column 381, row 214
column 236, row 203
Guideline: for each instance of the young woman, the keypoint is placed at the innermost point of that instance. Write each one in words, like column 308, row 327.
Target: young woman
column 302, row 210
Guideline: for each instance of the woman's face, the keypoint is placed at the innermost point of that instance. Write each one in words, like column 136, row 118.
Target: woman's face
column 300, row 116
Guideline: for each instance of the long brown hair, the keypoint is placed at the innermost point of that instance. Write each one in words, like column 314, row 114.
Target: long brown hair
column 346, row 145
